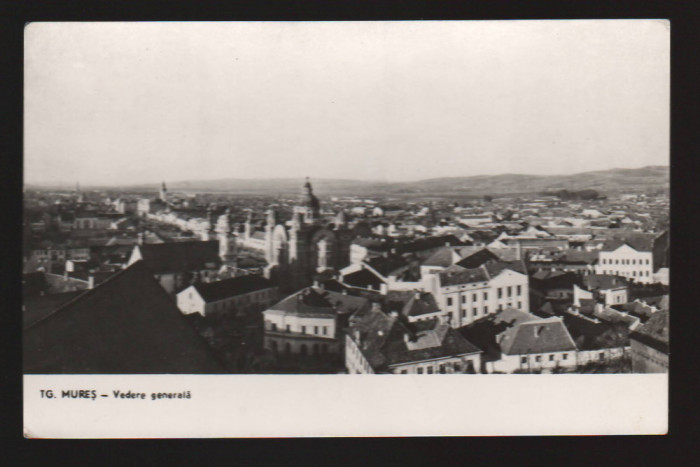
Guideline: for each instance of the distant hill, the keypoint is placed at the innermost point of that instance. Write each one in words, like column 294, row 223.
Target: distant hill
column 604, row 181
column 649, row 178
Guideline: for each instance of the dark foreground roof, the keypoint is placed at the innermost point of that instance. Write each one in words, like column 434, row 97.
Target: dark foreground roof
column 219, row 290
column 126, row 325
column 172, row 257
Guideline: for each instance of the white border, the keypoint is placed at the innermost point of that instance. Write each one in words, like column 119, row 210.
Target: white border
column 349, row 405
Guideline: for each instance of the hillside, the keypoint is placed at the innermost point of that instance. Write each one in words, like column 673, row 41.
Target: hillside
column 650, row 178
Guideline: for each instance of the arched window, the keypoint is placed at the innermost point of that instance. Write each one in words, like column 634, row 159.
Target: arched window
column 302, row 349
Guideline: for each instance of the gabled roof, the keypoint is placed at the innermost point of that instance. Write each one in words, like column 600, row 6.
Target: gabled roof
column 383, row 342
column 172, row 257
column 219, row 290
column 126, row 325
column 514, row 332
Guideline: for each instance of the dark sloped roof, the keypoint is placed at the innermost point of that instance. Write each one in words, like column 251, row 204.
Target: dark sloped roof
column 362, row 279
column 34, row 283
column 36, row 308
column 591, row 335
column 388, row 265
column 477, row 259
column 127, row 325
column 442, row 257
column 420, row 304
column 219, row 290
column 180, row 256
column 458, row 275
column 639, row 241
column 654, row 332
column 314, row 301
column 603, row 282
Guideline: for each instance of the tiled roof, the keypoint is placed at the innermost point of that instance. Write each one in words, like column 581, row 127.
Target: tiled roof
column 515, row 332
column 219, row 290
column 127, row 325
column 180, row 256
column 383, row 342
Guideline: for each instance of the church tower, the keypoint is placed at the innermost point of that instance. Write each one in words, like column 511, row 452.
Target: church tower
column 270, row 223
column 209, row 233
column 227, row 242
column 163, row 195
column 309, row 206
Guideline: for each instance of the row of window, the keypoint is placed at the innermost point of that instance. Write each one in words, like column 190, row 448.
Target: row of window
column 538, row 358
column 318, row 330
column 627, row 273
column 485, row 295
column 316, row 349
column 443, row 368
column 623, row 261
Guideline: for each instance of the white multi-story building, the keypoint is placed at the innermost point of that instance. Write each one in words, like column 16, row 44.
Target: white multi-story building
column 628, row 262
column 465, row 295
column 239, row 295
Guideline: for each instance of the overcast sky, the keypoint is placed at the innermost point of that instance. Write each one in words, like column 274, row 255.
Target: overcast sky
column 119, row 103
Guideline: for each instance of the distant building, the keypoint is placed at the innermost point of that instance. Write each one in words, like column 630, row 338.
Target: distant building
column 237, row 295
column 381, row 343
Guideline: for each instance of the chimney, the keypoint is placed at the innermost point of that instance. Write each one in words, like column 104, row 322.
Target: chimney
column 406, row 338
column 538, row 330
column 91, row 281
column 394, row 314
column 416, row 295
column 383, row 288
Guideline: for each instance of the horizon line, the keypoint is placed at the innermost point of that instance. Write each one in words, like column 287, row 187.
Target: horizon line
column 377, row 180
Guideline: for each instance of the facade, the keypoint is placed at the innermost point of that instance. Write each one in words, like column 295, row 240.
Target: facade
column 627, row 262
column 466, row 295
column 310, row 321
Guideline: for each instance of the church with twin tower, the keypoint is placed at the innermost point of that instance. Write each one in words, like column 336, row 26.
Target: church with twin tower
column 295, row 253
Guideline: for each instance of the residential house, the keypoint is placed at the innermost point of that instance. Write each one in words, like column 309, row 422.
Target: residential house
column 516, row 341
column 239, row 295
column 381, row 343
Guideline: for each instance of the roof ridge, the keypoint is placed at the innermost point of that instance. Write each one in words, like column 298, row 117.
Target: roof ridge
column 87, row 292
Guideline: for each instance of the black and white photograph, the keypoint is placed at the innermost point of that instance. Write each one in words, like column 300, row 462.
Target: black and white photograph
column 463, row 198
